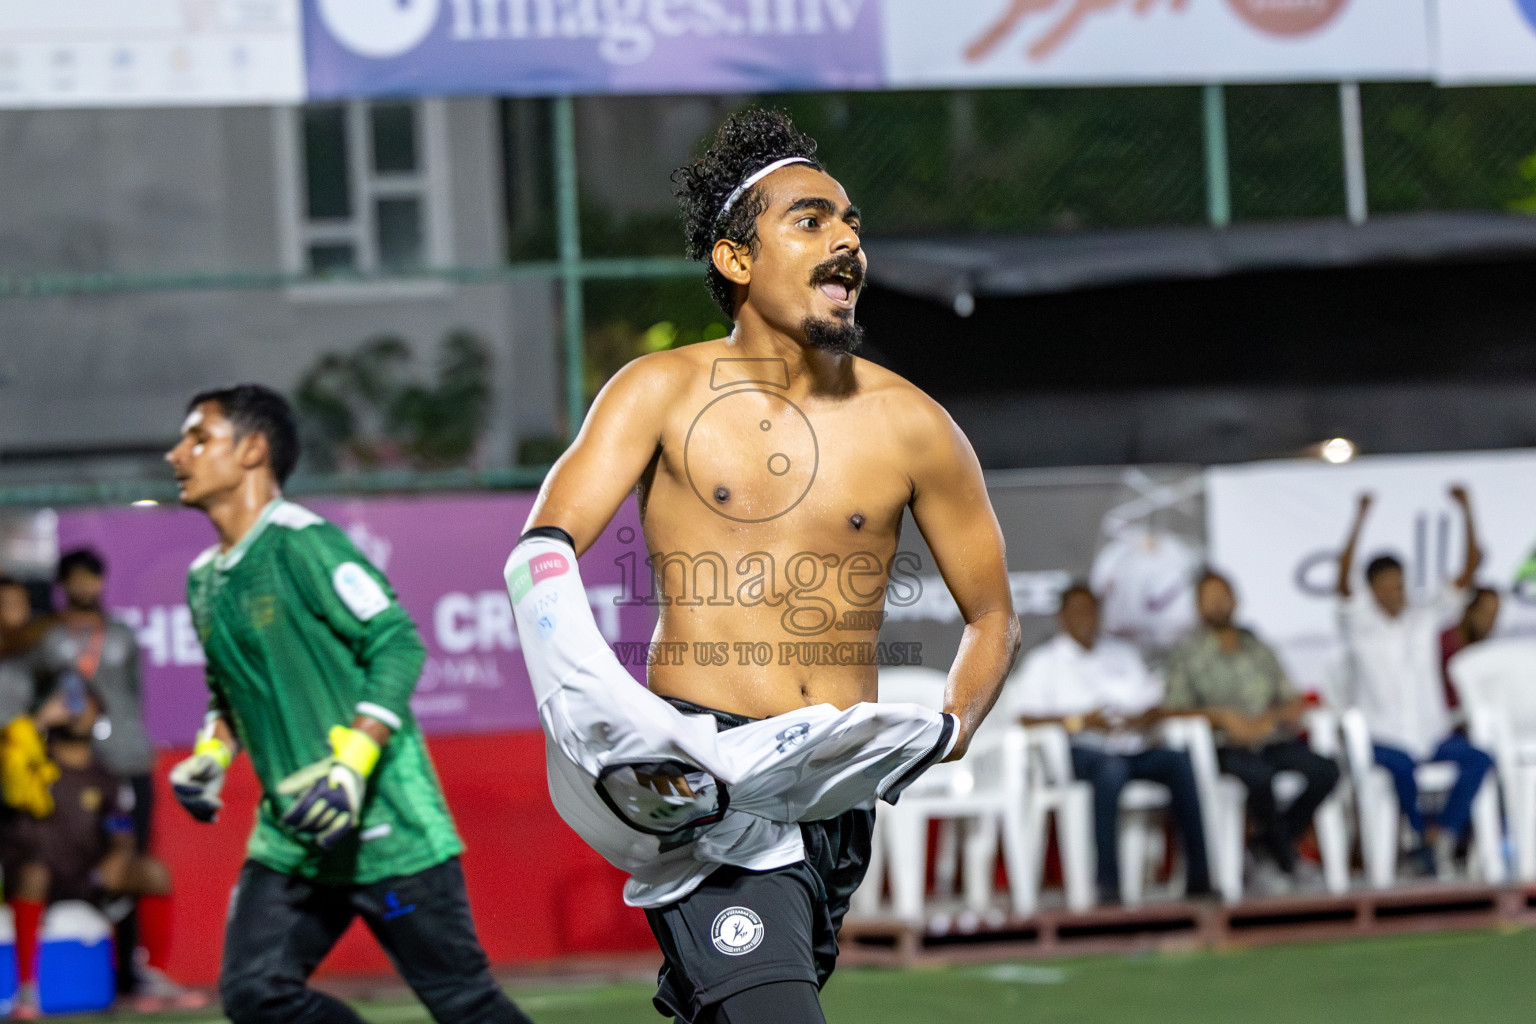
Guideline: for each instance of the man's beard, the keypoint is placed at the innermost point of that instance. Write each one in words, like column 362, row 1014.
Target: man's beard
column 838, row 333
column 843, row 336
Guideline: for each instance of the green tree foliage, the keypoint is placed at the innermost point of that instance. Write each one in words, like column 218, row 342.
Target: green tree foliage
column 366, row 409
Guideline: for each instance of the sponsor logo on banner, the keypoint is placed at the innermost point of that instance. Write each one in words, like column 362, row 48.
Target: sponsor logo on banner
column 1046, row 26
column 379, row 28
column 1528, row 8
column 490, row 41
column 1059, row 22
column 1290, row 17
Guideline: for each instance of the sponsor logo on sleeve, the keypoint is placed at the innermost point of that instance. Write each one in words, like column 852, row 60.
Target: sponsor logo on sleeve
column 519, row 582
column 737, row 931
column 543, row 567
column 359, row 591
column 536, row 570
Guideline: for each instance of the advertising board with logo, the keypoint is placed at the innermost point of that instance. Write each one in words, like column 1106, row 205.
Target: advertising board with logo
column 995, row 42
column 164, row 52
column 528, row 47
column 1486, row 41
column 1278, row 528
column 96, row 53
column 360, row 47
column 444, row 557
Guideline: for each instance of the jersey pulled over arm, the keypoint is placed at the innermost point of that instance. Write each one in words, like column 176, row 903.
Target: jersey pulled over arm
column 954, row 513
column 618, row 440
column 340, row 586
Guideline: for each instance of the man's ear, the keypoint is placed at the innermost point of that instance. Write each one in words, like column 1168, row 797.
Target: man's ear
column 253, row 451
column 734, row 261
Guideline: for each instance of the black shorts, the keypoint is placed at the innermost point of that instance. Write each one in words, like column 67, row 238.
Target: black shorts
column 281, row 926
column 740, row 929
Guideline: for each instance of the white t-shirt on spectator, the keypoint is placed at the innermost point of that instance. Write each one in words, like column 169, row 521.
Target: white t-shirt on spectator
column 1061, row 678
column 1396, row 666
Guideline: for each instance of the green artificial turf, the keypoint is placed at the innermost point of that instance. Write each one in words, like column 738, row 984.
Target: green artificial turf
column 1481, row 977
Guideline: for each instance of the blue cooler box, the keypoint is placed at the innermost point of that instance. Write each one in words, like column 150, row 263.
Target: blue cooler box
column 7, row 957
column 75, row 970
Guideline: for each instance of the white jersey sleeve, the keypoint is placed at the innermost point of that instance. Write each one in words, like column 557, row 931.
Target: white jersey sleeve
column 752, row 784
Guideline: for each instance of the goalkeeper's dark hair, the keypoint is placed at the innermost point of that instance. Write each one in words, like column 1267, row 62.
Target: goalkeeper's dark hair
column 747, row 141
column 255, row 408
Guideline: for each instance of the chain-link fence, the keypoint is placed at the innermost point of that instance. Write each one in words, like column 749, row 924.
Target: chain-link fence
column 1063, row 160
column 956, row 163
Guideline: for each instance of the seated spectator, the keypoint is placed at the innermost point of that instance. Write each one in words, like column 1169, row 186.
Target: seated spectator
column 1228, row 674
column 1101, row 692
column 85, row 850
column 1478, row 620
column 1394, row 648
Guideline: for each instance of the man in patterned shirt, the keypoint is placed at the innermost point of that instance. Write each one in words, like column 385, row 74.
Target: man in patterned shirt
column 311, row 667
column 1232, row 677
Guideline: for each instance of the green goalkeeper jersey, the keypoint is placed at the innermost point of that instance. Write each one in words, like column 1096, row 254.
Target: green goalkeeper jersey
column 302, row 634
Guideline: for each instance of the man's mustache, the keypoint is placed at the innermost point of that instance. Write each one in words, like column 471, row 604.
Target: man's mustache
column 845, row 267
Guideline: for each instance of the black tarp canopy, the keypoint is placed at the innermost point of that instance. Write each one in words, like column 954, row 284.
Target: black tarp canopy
column 955, row 270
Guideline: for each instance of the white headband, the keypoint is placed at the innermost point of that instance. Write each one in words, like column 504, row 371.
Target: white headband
column 753, row 179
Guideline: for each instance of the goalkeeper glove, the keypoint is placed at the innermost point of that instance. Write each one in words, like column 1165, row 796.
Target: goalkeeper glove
column 198, row 780
column 330, row 791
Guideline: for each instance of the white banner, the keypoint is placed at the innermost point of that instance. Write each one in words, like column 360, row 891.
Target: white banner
column 1485, row 41
column 1277, row 529
column 98, row 53
column 1009, row 42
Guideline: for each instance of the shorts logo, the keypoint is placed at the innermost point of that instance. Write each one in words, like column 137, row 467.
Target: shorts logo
column 737, row 931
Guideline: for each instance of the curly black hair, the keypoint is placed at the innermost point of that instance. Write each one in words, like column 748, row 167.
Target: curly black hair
column 747, row 141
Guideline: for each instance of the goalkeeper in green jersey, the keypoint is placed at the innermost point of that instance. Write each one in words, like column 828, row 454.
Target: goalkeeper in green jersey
column 311, row 666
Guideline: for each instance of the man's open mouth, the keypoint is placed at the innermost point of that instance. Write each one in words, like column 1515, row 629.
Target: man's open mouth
column 839, row 282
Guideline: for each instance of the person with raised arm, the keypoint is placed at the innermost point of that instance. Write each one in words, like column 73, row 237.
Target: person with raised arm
column 1393, row 644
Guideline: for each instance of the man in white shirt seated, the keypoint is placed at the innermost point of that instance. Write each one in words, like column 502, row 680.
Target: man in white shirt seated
column 1101, row 692
column 1394, row 649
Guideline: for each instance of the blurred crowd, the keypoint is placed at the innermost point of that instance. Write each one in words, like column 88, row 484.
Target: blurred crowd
column 76, row 799
column 1112, row 702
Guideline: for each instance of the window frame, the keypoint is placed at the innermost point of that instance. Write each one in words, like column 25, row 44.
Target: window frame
column 428, row 184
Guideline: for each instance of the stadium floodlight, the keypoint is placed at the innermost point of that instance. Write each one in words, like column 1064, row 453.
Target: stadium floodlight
column 1337, row 451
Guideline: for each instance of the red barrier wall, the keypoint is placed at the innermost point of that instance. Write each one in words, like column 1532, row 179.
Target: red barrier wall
column 537, row 891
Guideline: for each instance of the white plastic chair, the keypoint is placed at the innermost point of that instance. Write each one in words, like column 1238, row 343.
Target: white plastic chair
column 1052, row 789
column 983, row 794
column 1224, row 808
column 1223, row 804
column 1329, row 820
column 1496, row 681
column 1380, row 818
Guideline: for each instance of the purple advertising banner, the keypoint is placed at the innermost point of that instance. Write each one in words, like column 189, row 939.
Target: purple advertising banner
column 545, row 47
column 443, row 555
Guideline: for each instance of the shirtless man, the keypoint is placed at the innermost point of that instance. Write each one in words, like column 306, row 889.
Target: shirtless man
column 773, row 468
